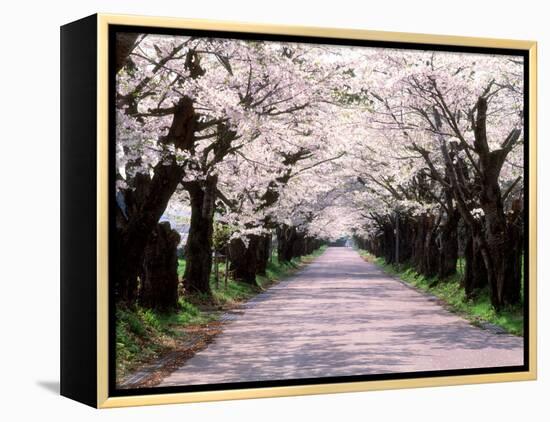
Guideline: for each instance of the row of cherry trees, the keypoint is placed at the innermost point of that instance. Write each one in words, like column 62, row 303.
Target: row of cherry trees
column 417, row 154
column 454, row 180
column 223, row 127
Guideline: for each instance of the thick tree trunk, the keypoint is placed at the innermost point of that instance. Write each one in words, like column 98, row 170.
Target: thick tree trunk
column 125, row 42
column 286, row 236
column 430, row 261
column 159, row 278
column 244, row 259
column 503, row 272
column 516, row 230
column 247, row 261
column 501, row 259
column 138, row 212
column 406, row 236
column 419, row 243
column 262, row 253
column 389, row 243
column 376, row 245
column 290, row 243
column 425, row 248
column 298, row 246
column 199, row 242
column 475, row 272
column 448, row 246
column 310, row 245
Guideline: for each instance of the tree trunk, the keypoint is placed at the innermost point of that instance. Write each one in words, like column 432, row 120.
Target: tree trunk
column 430, row 259
column 298, row 246
column 262, row 254
column 199, row 242
column 475, row 272
column 286, row 236
column 516, row 230
column 448, row 246
column 406, row 236
column 159, row 278
column 389, row 243
column 502, row 250
column 138, row 212
column 125, row 43
column 244, row 259
column 290, row 243
column 419, row 243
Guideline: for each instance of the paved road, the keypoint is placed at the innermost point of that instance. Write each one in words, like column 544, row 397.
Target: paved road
column 343, row 316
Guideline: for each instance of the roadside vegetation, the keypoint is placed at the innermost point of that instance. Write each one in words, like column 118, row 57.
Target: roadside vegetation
column 478, row 309
column 143, row 335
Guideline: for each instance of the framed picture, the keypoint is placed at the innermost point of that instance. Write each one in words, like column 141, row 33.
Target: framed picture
column 259, row 211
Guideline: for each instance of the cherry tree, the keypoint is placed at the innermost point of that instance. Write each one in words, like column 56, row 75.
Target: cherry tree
column 186, row 104
column 462, row 114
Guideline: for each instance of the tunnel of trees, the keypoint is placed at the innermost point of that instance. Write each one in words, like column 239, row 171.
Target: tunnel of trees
column 277, row 147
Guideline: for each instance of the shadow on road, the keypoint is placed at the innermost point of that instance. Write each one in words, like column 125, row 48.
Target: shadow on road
column 342, row 316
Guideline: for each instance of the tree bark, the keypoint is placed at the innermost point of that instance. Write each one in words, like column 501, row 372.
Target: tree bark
column 125, row 43
column 475, row 272
column 262, row 253
column 286, row 236
column 419, row 243
column 516, row 230
column 388, row 243
column 502, row 257
column 448, row 246
column 138, row 212
column 199, row 242
column 298, row 245
column 430, row 260
column 244, row 259
column 426, row 252
column 159, row 277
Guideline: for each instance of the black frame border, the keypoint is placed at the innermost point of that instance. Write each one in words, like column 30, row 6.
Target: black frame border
column 118, row 392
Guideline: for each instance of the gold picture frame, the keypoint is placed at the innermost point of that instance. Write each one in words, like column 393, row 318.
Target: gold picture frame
column 102, row 22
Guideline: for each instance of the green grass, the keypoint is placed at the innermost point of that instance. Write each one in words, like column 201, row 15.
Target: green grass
column 476, row 310
column 142, row 335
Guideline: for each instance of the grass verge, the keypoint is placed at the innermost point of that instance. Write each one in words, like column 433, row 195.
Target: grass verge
column 143, row 335
column 478, row 310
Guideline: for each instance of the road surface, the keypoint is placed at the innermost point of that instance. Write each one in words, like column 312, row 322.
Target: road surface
column 343, row 316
